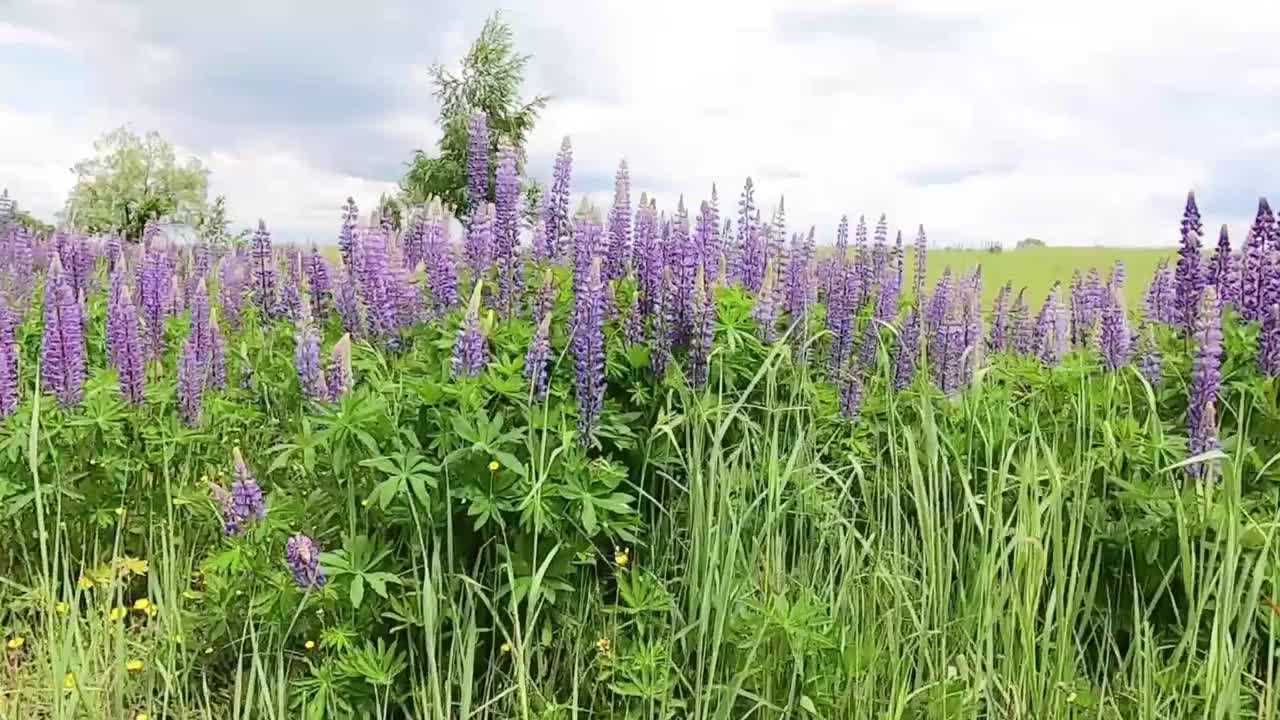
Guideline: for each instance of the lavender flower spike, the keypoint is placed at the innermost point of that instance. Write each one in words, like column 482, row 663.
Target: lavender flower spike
column 191, row 380
column 1206, row 378
column 478, row 161
column 10, row 385
column 306, row 356
column 62, row 350
column 303, row 557
column 126, row 339
column 471, row 351
column 244, row 504
column 1117, row 348
column 588, row 351
column 536, row 361
column 340, row 378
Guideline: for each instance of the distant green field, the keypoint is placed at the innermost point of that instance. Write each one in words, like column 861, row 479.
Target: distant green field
column 1038, row 268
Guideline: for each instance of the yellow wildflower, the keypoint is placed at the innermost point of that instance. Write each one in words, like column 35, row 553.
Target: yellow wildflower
column 61, row 608
column 506, row 647
column 309, row 645
column 603, row 645
column 118, row 613
column 493, row 466
column 85, row 582
column 135, row 666
column 69, row 681
column 16, row 643
column 622, row 557
column 152, row 611
column 141, row 604
column 142, row 716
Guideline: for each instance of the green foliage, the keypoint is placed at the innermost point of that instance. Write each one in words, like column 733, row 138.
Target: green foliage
column 1030, row 547
column 488, row 81
column 132, row 181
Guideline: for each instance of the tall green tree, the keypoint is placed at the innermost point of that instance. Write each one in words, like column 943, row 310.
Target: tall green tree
column 489, row 81
column 132, row 180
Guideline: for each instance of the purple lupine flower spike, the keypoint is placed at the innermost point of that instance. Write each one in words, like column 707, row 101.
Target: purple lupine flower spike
column 217, row 376
column 1206, row 379
column 153, row 291
column 618, row 259
column 62, row 350
column 1254, row 266
column 1219, row 270
column 231, row 290
column 765, row 312
column 340, row 378
column 318, row 284
column 244, row 503
column 303, row 556
column 264, row 272
column 1117, row 348
column 556, row 224
column 908, row 351
column 751, row 248
column 479, row 240
column 1000, row 320
column 1020, row 337
column 1150, row 363
column 347, row 235
column 588, row 350
column 478, row 161
column 442, row 273
column 125, row 337
column 851, row 394
column 704, row 331
column 10, row 382
column 306, row 356
column 191, row 382
column 347, row 302
column 660, row 345
column 1190, row 280
column 537, row 359
column 506, row 230
column 471, row 351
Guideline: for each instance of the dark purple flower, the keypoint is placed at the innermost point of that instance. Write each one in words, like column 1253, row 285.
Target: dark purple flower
column 648, row 259
column 704, row 332
column 588, row 350
column 765, row 310
column 775, row 233
column 1150, row 363
column 347, row 234
column 264, row 272
column 880, row 250
column 347, row 302
column 478, row 161
column 306, row 358
column 851, row 394
column 555, row 222
column 908, row 351
column 1052, row 330
column 1000, row 320
column 1206, row 378
column 1190, row 280
column 471, row 350
column 62, row 350
column 506, row 230
column 537, row 359
column 10, row 383
column 660, row 335
column 377, row 291
column 841, row 258
column 244, row 503
column 318, row 284
column 800, row 280
column 1219, row 271
column 340, row 378
column 862, row 264
column 684, row 261
column 618, row 259
column 191, row 381
column 1254, row 263
column 303, row 557
column 840, row 316
column 1117, row 347
column 1020, row 330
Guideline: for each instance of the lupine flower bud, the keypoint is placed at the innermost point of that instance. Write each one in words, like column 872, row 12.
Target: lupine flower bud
column 764, row 312
column 1190, row 279
column 618, row 258
column 318, row 283
column 191, row 381
column 442, row 274
column 306, row 358
column 340, row 377
column 556, row 221
column 303, row 557
column 479, row 240
column 751, row 246
column 347, row 303
column 125, row 338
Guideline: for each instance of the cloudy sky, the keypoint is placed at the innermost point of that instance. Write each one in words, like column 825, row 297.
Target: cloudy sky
column 1081, row 123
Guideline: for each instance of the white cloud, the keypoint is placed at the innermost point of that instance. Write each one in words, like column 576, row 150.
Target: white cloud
column 1080, row 123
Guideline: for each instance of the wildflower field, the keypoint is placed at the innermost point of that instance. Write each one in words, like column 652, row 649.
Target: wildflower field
column 668, row 463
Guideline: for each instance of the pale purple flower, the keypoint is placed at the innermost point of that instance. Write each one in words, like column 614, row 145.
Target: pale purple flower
column 478, row 244
column 318, row 284
column 556, row 227
column 1206, row 378
column 306, row 358
column 908, row 351
column 751, row 247
column 1150, row 363
column 303, row 557
column 1117, row 348
column 506, row 230
column 347, row 235
column 478, row 161
column 537, row 359
column 264, row 272
column 124, row 338
column 588, row 349
column 10, row 382
column 340, row 378
column 244, row 503
column 191, row 381
column 471, row 350
column 618, row 259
